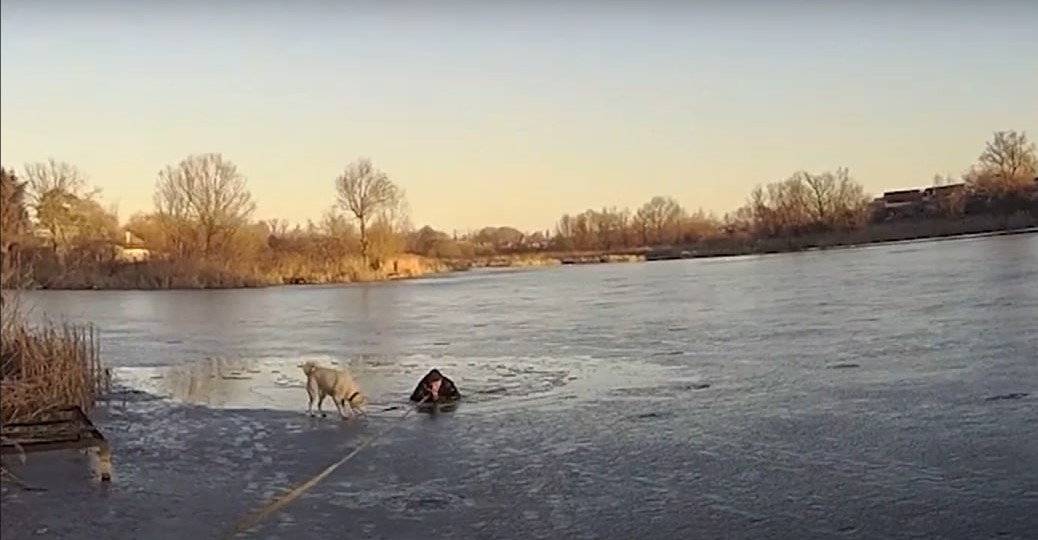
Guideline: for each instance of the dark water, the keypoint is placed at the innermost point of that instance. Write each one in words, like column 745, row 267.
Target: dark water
column 885, row 392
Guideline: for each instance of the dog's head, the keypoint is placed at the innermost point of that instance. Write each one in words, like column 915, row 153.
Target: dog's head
column 308, row 367
column 358, row 401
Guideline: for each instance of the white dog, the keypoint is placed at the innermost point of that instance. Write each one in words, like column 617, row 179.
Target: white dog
column 322, row 382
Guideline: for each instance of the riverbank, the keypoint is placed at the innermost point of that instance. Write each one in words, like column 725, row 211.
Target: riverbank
column 887, row 233
column 169, row 275
column 190, row 275
column 163, row 275
column 733, row 246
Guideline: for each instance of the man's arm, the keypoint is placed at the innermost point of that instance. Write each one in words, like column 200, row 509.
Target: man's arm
column 451, row 391
column 422, row 390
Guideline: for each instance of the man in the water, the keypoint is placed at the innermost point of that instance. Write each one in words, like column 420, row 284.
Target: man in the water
column 435, row 388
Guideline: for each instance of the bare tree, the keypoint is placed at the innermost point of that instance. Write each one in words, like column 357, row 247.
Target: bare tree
column 565, row 229
column 850, row 201
column 662, row 217
column 806, row 202
column 14, row 217
column 56, row 176
column 699, row 225
column 609, row 225
column 1008, row 164
column 207, row 194
column 760, row 212
column 396, row 216
column 93, row 221
column 1011, row 156
column 14, row 222
column 823, row 193
column 739, row 221
column 277, row 227
column 790, row 205
column 365, row 192
column 61, row 200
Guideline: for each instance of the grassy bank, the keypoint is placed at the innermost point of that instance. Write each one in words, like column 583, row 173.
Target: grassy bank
column 165, row 274
column 353, row 270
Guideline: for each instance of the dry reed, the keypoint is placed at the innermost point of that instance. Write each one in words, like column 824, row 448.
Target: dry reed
column 44, row 367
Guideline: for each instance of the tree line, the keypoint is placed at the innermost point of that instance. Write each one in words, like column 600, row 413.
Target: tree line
column 58, row 229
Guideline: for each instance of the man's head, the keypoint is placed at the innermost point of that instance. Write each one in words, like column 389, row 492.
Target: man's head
column 433, row 381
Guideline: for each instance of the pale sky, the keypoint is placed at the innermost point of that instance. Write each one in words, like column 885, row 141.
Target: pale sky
column 515, row 114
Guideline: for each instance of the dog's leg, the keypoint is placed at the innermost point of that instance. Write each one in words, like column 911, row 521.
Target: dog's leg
column 340, row 404
column 104, row 461
column 320, row 403
column 310, row 405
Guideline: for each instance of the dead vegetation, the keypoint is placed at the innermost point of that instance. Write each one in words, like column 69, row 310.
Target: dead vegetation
column 46, row 366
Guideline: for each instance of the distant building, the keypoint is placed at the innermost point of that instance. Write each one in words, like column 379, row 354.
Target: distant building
column 43, row 233
column 131, row 249
column 937, row 192
column 899, row 203
column 902, row 198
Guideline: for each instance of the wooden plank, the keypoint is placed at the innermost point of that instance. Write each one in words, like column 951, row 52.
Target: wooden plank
column 64, row 414
column 63, row 429
column 40, row 423
column 87, row 436
column 48, row 446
